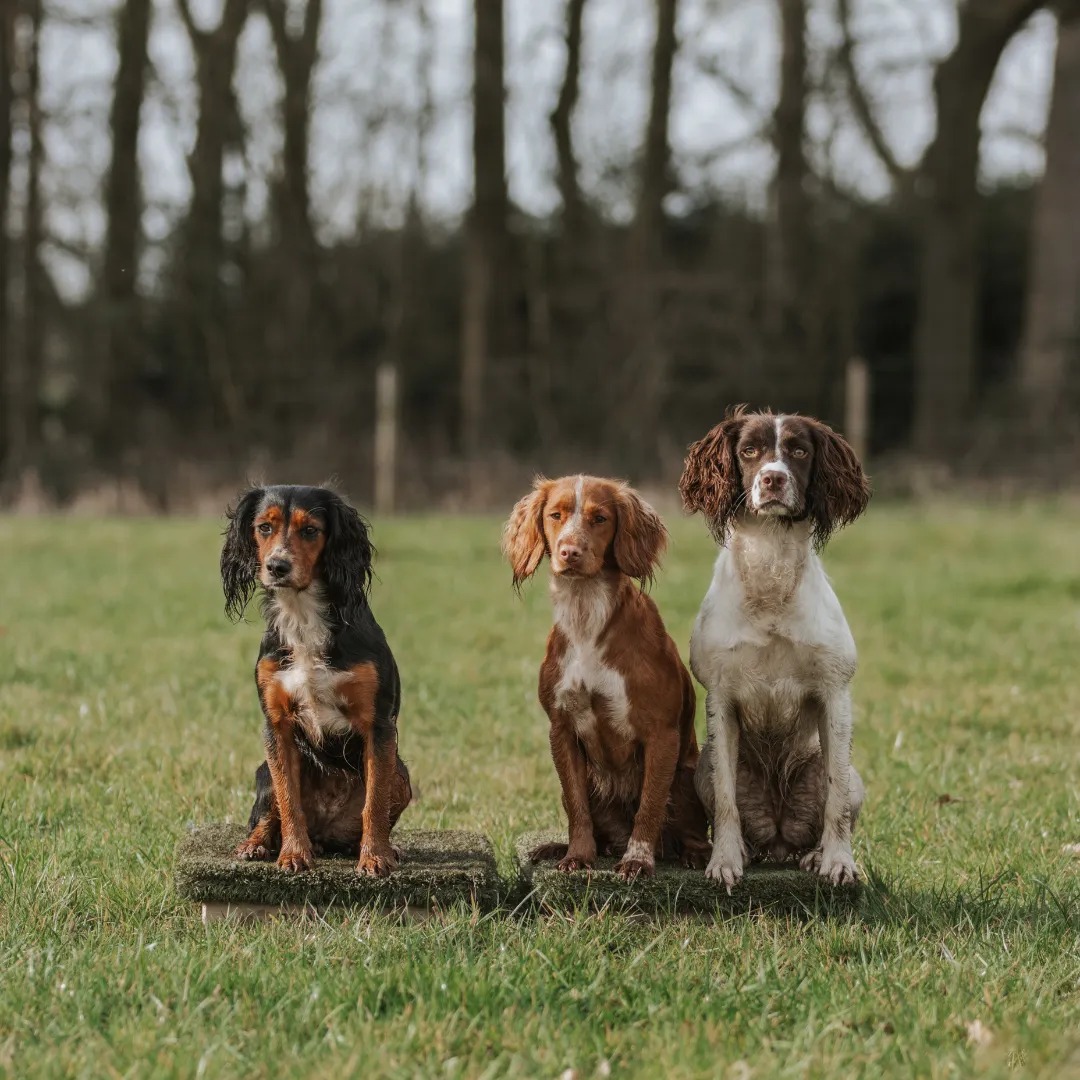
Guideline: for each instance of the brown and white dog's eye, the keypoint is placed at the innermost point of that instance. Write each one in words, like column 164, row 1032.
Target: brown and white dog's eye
column 749, row 451
column 798, row 452
column 265, row 528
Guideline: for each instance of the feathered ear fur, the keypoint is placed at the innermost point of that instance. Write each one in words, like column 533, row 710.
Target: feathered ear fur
column 640, row 536
column 523, row 541
column 240, row 555
column 711, row 481
column 345, row 564
column 839, row 490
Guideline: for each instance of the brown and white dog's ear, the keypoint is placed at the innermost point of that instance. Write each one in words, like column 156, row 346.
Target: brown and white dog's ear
column 523, row 540
column 838, row 491
column 711, row 481
column 640, row 536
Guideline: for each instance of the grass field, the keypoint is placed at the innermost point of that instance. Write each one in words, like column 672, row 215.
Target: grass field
column 127, row 711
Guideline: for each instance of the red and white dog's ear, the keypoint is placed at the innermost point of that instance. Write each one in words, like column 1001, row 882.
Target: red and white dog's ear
column 523, row 540
column 838, row 491
column 640, row 536
column 711, row 482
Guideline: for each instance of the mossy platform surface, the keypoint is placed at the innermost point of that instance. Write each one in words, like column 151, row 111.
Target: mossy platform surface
column 673, row 888
column 438, row 869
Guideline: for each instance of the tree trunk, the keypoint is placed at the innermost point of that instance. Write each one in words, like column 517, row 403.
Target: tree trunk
column 486, row 229
column 645, row 361
column 201, row 338
column 7, row 64
column 562, row 120
column 296, row 60
column 793, row 368
column 25, row 376
column 116, row 392
column 947, row 188
column 1050, row 351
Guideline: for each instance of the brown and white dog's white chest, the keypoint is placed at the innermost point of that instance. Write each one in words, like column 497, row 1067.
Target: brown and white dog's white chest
column 582, row 611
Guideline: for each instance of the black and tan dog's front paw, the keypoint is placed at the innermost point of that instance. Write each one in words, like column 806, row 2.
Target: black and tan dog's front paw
column 377, row 862
column 295, row 860
column 252, row 851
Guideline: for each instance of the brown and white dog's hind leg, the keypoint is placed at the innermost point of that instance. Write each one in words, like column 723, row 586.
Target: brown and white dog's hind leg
column 715, row 782
column 833, row 859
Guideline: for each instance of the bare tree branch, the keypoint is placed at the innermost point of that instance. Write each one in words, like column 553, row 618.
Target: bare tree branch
column 711, row 68
column 188, row 20
column 901, row 176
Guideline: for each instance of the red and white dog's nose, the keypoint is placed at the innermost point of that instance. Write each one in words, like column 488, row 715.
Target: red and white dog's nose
column 569, row 553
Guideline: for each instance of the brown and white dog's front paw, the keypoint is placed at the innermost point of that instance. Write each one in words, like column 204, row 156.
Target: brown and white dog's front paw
column 578, row 857
column 638, row 859
column 836, row 865
column 377, row 861
column 296, row 858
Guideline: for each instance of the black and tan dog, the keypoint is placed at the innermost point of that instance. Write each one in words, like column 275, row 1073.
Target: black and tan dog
column 328, row 684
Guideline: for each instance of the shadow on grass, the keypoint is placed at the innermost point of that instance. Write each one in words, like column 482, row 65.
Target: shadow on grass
column 991, row 903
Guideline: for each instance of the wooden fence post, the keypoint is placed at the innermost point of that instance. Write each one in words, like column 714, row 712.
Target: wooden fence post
column 857, row 406
column 385, row 437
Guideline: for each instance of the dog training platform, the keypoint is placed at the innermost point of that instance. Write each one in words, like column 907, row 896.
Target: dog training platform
column 438, row 869
column 673, row 888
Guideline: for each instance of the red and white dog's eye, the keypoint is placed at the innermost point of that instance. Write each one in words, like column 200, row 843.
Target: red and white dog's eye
column 599, row 519
column 555, row 516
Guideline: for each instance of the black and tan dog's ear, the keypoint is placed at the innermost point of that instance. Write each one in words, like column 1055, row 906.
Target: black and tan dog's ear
column 640, row 536
column 523, row 541
column 240, row 554
column 711, row 481
column 346, row 559
column 839, row 490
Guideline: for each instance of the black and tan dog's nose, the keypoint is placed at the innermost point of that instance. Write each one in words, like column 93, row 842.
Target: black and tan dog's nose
column 279, row 568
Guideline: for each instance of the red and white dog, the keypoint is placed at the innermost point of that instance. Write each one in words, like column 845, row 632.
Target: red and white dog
column 619, row 698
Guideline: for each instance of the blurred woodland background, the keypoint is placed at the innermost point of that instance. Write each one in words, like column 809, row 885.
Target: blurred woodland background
column 557, row 234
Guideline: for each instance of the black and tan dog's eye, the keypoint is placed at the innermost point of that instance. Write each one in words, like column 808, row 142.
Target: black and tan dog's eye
column 309, row 532
column 265, row 528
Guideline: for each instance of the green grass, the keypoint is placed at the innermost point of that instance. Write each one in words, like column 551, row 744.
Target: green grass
column 127, row 711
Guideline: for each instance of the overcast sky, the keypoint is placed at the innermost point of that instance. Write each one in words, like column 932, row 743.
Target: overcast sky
column 370, row 80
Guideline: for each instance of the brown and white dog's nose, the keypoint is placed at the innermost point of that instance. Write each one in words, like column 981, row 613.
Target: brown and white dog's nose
column 774, row 481
column 279, row 568
column 569, row 553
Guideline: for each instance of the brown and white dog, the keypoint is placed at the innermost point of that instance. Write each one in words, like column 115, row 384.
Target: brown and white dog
column 771, row 645
column 619, row 698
